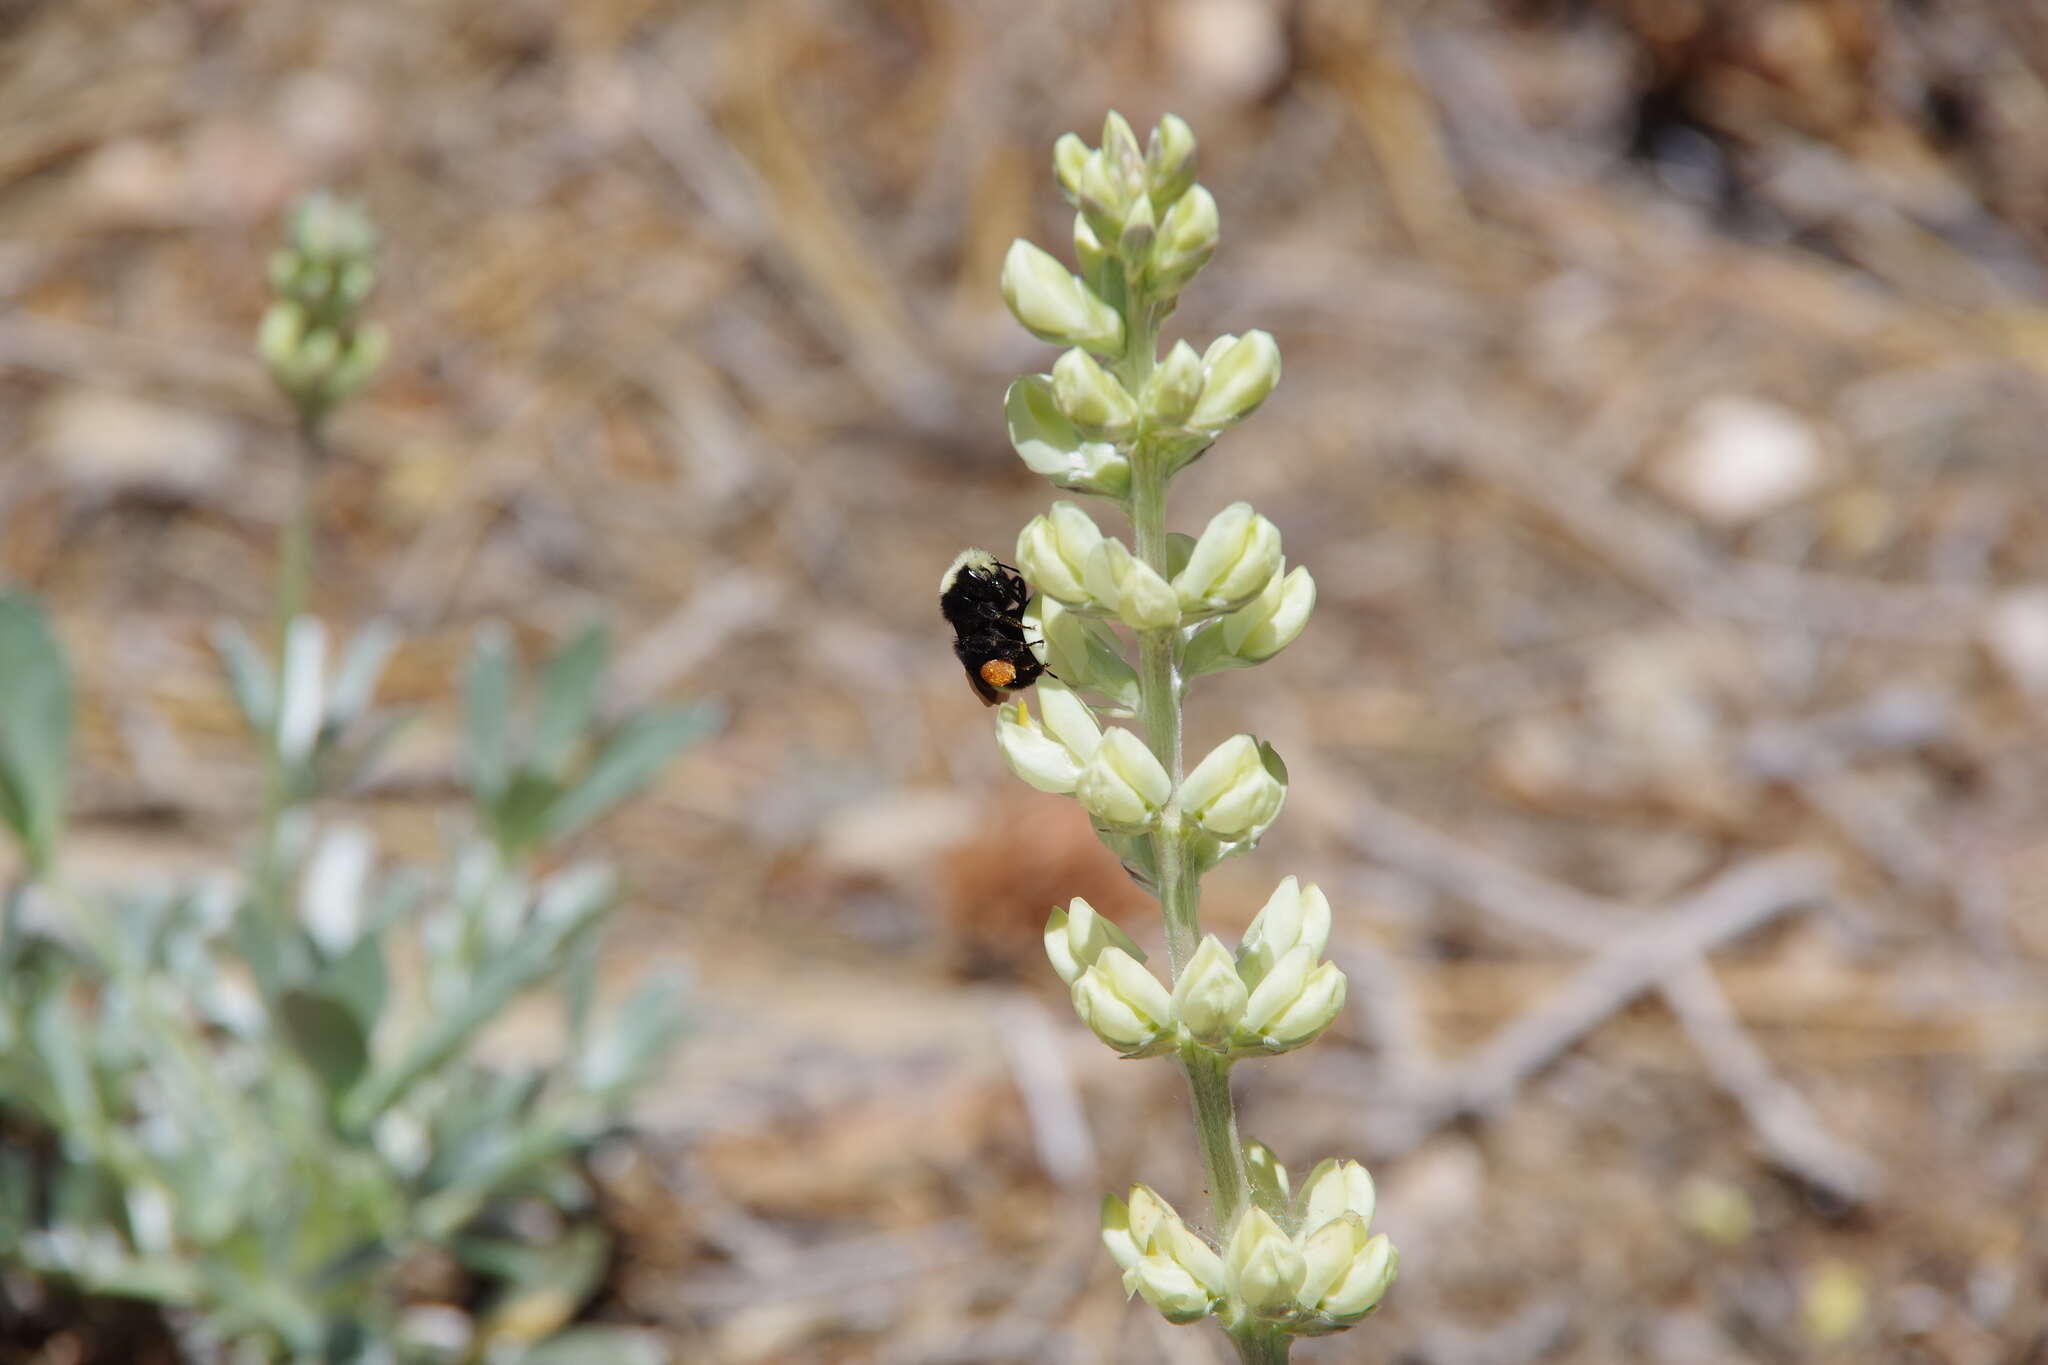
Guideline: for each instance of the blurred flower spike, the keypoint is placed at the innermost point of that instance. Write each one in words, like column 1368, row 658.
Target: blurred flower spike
column 310, row 337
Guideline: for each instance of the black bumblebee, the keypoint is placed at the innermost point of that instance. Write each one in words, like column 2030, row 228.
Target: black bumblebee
column 983, row 599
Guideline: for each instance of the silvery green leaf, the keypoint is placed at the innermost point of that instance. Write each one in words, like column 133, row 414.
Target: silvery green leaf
column 355, row 682
column 334, row 886
column 626, row 1048
column 568, row 699
column 629, row 759
column 487, row 712
column 35, row 727
column 250, row 680
column 597, row 1346
column 301, row 693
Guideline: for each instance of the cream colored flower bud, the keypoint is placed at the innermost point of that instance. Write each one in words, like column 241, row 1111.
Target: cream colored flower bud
column 1238, row 378
column 1186, row 239
column 1130, row 587
column 1076, row 936
column 1134, row 241
column 1053, row 550
column 1090, row 398
column 1175, row 384
column 1069, row 155
column 1123, row 785
column 1271, row 621
column 1124, row 1005
column 1050, row 756
column 1102, row 196
column 1264, row 1267
column 1055, row 448
column 1231, row 793
column 1293, row 916
column 1237, row 556
column 1209, row 998
column 1334, row 1188
column 1169, row 160
column 1055, row 306
column 1169, row 1287
column 1292, row 1006
column 1346, row 1272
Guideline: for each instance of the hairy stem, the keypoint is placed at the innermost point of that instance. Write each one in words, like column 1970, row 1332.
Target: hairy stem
column 1159, row 709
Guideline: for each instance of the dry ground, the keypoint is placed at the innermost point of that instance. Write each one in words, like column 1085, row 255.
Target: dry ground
column 1663, row 422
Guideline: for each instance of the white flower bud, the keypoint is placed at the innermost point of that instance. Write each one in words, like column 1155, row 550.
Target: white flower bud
column 1293, row 916
column 1271, row 621
column 1051, row 756
column 1237, row 556
column 1231, row 793
column 1055, row 448
column 1053, row 551
column 1130, row 587
column 1334, row 1188
column 1090, row 398
column 1123, row 785
column 1186, row 240
column 1238, row 378
column 1055, row 306
column 1124, row 1005
column 1278, row 989
column 1209, row 998
column 1264, row 1267
column 1169, row 160
column 1088, row 248
column 1102, row 198
column 1076, row 936
column 1120, row 150
column 1175, row 384
column 1069, row 155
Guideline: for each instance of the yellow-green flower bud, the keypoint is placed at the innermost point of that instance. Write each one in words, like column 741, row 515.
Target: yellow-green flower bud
column 1271, row 621
column 1237, row 555
column 1239, row 373
column 1054, row 549
column 1055, row 306
column 1130, row 587
column 1120, row 150
column 1169, row 160
column 1055, row 448
column 1268, row 1176
column 1090, row 398
column 1209, row 998
column 1123, row 785
column 1081, row 651
column 1264, row 1267
column 1334, row 1188
column 1102, row 197
column 1186, row 240
column 1124, row 1005
column 1076, row 936
column 278, row 337
column 1134, row 241
column 1050, row 756
column 1069, row 155
column 1231, row 793
column 358, row 363
column 1293, row 916
column 1088, row 248
column 1174, row 385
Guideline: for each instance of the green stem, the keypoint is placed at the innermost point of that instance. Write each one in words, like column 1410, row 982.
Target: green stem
column 294, row 587
column 1260, row 1345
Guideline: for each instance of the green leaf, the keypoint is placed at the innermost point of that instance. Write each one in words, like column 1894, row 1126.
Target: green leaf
column 630, row 1044
column 327, row 1034
column 633, row 756
column 35, row 728
column 568, row 699
column 487, row 713
column 250, row 681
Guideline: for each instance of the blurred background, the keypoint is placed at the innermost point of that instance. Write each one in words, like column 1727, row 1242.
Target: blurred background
column 1662, row 422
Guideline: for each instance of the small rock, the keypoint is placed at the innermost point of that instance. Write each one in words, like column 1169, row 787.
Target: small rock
column 1736, row 459
column 114, row 445
column 2016, row 633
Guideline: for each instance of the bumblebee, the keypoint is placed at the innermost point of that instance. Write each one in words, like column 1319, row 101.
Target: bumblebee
column 983, row 599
